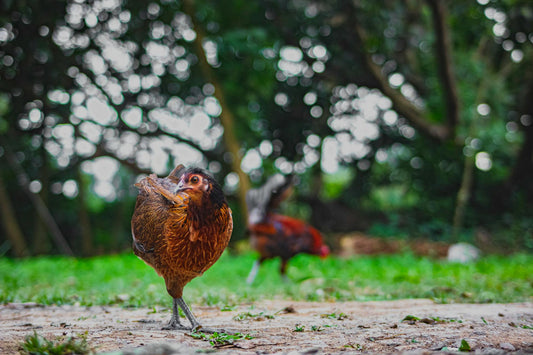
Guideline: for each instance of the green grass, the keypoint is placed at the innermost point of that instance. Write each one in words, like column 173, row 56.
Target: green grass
column 220, row 339
column 37, row 344
column 127, row 281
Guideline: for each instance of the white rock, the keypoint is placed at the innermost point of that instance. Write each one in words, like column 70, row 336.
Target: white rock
column 463, row 253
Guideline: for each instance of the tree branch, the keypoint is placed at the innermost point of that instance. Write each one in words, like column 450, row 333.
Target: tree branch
column 41, row 208
column 445, row 66
column 401, row 104
column 226, row 116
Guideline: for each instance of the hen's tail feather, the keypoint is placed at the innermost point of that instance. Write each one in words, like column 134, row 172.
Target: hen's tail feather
column 176, row 173
column 270, row 194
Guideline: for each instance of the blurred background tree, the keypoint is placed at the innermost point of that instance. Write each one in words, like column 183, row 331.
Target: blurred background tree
column 409, row 119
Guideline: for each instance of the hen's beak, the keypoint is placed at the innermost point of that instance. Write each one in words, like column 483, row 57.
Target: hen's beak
column 181, row 186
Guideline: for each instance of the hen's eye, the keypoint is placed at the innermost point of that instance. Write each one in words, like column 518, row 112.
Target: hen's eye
column 195, row 179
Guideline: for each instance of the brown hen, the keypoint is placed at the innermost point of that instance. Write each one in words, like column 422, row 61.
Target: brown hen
column 180, row 226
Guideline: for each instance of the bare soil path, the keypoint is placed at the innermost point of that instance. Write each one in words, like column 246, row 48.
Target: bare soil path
column 285, row 327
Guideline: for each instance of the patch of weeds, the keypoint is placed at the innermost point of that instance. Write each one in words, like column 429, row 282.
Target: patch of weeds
column 220, row 339
column 255, row 316
column 442, row 295
column 337, row 316
column 316, row 328
column 410, row 319
column 298, row 328
column 227, row 308
column 451, row 320
column 354, row 346
column 37, row 344
column 524, row 326
column 464, row 346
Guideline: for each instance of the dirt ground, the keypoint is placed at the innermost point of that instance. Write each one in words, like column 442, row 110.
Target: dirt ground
column 374, row 327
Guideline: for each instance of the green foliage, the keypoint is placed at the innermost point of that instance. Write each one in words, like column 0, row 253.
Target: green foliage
column 255, row 316
column 299, row 328
column 337, row 316
column 220, row 339
column 464, row 346
column 334, row 184
column 37, row 344
column 126, row 281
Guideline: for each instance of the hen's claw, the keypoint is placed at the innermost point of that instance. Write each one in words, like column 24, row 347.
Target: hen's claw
column 175, row 326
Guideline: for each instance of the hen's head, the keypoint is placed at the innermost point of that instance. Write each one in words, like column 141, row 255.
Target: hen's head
column 199, row 185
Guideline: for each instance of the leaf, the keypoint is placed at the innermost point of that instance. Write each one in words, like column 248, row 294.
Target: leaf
column 410, row 318
column 464, row 346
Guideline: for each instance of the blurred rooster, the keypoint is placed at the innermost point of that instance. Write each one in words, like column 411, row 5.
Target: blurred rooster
column 274, row 235
column 180, row 226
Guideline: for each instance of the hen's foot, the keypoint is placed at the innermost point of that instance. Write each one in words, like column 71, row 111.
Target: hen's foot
column 173, row 325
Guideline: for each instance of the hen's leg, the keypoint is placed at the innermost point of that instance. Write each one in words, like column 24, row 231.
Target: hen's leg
column 175, row 318
column 283, row 270
column 253, row 272
column 196, row 327
column 194, row 322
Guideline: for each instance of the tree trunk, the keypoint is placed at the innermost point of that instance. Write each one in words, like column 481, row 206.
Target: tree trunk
column 42, row 209
column 522, row 173
column 41, row 244
column 85, row 222
column 11, row 226
column 463, row 195
column 226, row 116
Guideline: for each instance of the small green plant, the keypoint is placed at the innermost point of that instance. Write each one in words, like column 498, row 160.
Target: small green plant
column 464, row 346
column 220, row 339
column 451, row 320
column 337, row 316
column 298, row 328
column 527, row 327
column 37, row 344
column 354, row 346
column 411, row 318
column 255, row 316
column 227, row 308
column 316, row 328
